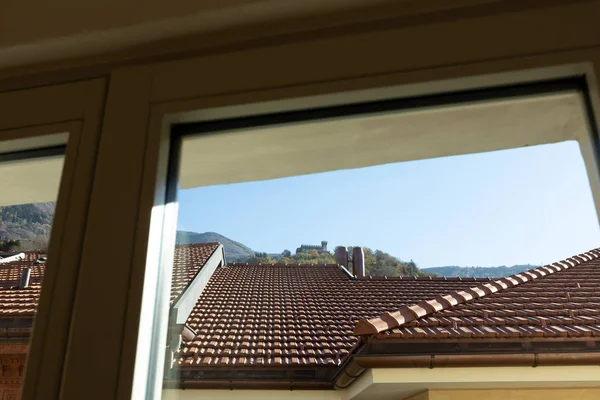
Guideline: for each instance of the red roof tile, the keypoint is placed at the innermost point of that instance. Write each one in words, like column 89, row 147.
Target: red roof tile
column 189, row 259
column 302, row 315
column 305, row 315
column 22, row 303
column 557, row 301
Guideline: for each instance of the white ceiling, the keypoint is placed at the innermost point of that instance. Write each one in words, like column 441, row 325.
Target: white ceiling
column 37, row 30
column 51, row 30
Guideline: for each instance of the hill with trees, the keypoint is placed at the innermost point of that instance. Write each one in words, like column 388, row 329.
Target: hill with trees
column 27, row 224
column 377, row 262
column 479, row 272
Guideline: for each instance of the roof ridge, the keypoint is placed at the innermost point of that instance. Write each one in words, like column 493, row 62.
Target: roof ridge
column 421, row 278
column 197, row 244
column 241, row 264
column 405, row 314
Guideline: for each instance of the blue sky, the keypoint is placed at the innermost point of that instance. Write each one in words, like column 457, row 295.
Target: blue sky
column 528, row 205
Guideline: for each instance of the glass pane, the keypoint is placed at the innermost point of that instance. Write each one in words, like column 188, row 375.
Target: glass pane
column 28, row 189
column 295, row 237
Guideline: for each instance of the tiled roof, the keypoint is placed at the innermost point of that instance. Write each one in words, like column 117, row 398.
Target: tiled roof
column 188, row 260
column 555, row 301
column 21, row 303
column 310, row 315
column 292, row 315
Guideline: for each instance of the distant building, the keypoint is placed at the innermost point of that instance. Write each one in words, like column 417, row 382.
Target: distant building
column 305, row 248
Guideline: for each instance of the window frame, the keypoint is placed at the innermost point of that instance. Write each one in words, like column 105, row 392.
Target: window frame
column 30, row 119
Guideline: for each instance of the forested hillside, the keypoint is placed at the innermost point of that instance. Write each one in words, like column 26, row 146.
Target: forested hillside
column 29, row 224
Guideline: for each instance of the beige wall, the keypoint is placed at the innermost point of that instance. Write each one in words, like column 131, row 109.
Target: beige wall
column 401, row 383
column 515, row 394
column 420, row 396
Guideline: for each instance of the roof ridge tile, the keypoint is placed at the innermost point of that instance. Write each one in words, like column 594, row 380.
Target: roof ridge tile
column 406, row 314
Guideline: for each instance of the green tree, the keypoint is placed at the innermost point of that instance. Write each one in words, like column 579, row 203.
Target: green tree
column 380, row 263
column 9, row 244
column 377, row 262
column 313, row 257
column 260, row 258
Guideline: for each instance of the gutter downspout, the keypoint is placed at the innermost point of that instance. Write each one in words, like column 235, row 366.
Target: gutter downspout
column 349, row 370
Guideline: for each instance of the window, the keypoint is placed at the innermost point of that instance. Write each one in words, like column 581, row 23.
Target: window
column 29, row 190
column 250, row 320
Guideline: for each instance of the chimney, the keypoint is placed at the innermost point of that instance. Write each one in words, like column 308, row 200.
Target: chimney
column 341, row 256
column 358, row 262
column 25, row 276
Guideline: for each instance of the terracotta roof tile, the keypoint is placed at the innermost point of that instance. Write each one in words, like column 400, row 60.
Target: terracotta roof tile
column 306, row 315
column 557, row 300
column 23, row 302
column 299, row 314
column 189, row 259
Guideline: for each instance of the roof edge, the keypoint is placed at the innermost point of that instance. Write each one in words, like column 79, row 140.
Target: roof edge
column 185, row 302
column 405, row 314
column 276, row 264
column 479, row 360
column 248, row 384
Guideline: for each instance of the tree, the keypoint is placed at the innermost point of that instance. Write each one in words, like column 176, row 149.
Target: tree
column 313, row 257
column 39, row 242
column 9, row 244
column 377, row 263
column 260, row 258
column 380, row 263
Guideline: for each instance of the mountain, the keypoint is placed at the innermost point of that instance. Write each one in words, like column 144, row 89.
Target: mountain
column 28, row 223
column 234, row 251
column 479, row 272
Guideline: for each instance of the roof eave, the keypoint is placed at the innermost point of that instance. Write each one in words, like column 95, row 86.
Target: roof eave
column 479, row 360
column 249, row 384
